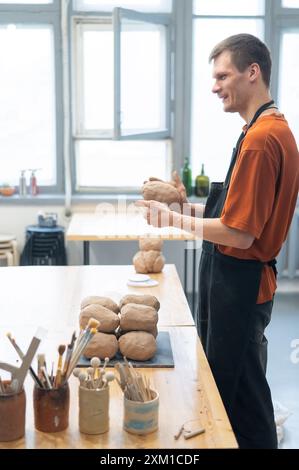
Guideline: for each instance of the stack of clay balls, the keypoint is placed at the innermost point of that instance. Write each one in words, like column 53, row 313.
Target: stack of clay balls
column 130, row 327
column 149, row 259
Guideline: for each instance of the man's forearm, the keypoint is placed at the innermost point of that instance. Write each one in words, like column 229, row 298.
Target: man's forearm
column 213, row 230
column 193, row 210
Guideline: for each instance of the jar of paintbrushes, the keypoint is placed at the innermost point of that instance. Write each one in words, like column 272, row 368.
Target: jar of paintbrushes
column 12, row 411
column 141, row 402
column 94, row 397
column 51, row 400
column 12, row 394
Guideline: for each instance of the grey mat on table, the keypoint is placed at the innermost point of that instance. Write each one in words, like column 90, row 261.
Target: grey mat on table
column 162, row 358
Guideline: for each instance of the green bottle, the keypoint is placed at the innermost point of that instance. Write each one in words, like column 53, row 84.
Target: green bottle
column 202, row 184
column 187, row 177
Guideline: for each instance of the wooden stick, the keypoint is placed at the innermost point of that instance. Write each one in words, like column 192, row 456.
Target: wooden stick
column 179, row 433
column 189, row 434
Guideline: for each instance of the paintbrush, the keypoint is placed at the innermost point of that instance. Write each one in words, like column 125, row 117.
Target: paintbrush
column 68, row 355
column 21, row 355
column 91, row 329
column 61, row 349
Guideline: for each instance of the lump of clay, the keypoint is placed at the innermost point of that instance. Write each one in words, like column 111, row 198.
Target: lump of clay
column 138, row 317
column 105, row 301
column 101, row 345
column 109, row 321
column 148, row 262
column 137, row 345
column 161, row 192
column 148, row 244
column 144, row 299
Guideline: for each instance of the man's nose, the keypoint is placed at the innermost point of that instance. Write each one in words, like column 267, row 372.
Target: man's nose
column 215, row 88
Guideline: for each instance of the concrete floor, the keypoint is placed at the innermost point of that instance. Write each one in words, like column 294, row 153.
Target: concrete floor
column 283, row 373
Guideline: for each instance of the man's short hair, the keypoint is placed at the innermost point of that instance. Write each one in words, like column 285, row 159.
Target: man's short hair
column 245, row 50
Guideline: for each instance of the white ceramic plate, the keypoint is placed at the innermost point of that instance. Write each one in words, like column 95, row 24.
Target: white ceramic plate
column 139, row 277
column 149, row 283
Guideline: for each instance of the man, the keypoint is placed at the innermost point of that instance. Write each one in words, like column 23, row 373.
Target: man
column 245, row 221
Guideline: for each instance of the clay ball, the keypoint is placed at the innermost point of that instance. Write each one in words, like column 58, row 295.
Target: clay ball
column 148, row 244
column 101, row 345
column 138, row 317
column 109, row 321
column 144, row 299
column 161, row 192
column 138, row 345
column 104, row 301
column 148, row 262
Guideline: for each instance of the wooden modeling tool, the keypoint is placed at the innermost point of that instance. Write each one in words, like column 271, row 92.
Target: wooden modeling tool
column 19, row 373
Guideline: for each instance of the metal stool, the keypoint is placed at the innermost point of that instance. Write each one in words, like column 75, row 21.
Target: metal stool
column 44, row 246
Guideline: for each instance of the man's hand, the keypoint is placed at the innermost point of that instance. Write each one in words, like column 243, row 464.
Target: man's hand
column 177, row 183
column 157, row 214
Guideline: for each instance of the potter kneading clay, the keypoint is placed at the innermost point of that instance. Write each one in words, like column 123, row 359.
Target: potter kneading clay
column 138, row 317
column 161, row 192
column 144, row 299
column 109, row 321
column 147, row 244
column 105, row 301
column 137, row 345
column 101, row 345
column 148, row 262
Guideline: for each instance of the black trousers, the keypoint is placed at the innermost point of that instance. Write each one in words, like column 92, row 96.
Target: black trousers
column 255, row 429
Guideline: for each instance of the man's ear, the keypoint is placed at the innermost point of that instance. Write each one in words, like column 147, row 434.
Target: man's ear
column 254, row 71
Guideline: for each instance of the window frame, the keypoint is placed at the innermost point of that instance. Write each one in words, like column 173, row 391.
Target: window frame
column 86, row 17
column 45, row 14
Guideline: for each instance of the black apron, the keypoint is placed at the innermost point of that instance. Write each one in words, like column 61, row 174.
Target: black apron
column 228, row 291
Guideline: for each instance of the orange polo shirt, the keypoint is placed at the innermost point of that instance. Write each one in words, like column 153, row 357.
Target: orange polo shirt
column 262, row 194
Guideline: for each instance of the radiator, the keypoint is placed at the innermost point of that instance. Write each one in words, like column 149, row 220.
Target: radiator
column 288, row 258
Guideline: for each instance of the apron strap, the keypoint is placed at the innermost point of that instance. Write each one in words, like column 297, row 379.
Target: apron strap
column 257, row 114
column 272, row 263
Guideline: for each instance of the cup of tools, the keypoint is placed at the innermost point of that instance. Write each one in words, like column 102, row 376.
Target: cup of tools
column 51, row 408
column 93, row 410
column 12, row 412
column 141, row 417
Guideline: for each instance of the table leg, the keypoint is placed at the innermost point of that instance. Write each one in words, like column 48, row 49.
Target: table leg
column 185, row 266
column 194, row 279
column 86, row 252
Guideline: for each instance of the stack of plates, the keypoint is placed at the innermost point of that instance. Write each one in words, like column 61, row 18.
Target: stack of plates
column 141, row 280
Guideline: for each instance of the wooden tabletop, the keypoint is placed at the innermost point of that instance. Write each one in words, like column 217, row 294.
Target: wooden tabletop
column 186, row 392
column 45, row 296
column 113, row 226
column 53, row 294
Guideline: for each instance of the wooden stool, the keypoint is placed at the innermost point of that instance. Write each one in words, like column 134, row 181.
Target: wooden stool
column 9, row 249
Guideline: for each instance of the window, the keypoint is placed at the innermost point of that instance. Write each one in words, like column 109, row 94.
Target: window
column 154, row 6
column 290, row 3
column 229, row 7
column 288, row 83
column 27, row 114
column 121, row 83
column 214, row 134
column 28, row 91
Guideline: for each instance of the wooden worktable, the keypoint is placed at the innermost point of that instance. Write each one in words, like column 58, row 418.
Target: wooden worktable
column 113, row 226
column 31, row 297
column 127, row 223
column 54, row 294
